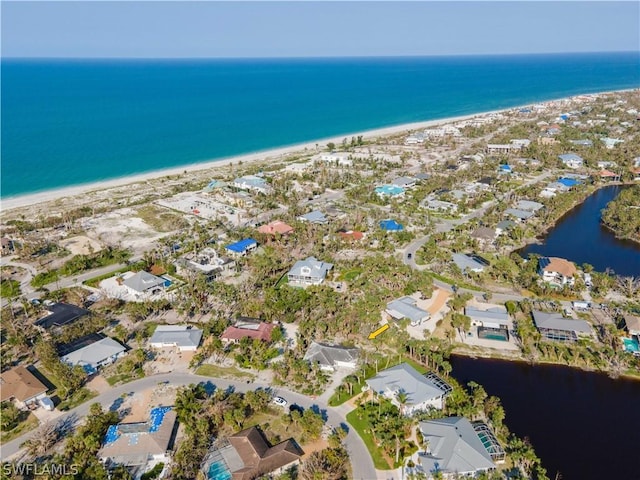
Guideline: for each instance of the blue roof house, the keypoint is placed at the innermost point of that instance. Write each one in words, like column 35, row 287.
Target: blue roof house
column 242, row 247
column 505, row 169
column 391, row 226
column 568, row 182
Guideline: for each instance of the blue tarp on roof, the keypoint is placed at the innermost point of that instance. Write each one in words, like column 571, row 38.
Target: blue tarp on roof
column 568, row 182
column 391, row 225
column 242, row 245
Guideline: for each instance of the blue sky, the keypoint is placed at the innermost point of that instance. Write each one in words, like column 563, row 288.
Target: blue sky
column 312, row 29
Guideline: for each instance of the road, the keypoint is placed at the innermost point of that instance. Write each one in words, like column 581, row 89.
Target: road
column 361, row 462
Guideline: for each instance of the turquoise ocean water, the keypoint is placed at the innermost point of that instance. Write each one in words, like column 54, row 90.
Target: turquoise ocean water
column 68, row 122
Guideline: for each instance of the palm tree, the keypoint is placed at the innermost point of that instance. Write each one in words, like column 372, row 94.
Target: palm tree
column 402, row 399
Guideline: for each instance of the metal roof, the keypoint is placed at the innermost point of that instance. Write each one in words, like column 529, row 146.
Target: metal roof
column 143, row 281
column 404, row 378
column 94, row 353
column 405, row 307
column 555, row 321
column 178, row 335
column 242, row 245
column 453, row 447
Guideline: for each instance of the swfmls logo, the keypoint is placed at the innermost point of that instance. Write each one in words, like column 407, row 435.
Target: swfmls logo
column 36, row 469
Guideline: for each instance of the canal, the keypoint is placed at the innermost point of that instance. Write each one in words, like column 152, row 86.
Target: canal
column 579, row 236
column 583, row 425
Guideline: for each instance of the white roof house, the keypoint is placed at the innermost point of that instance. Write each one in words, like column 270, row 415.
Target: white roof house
column 422, row 393
column 95, row 352
column 253, row 183
column 468, row 263
column 315, row 216
column 571, row 160
column 182, row 337
column 308, row 272
column 496, row 317
column 453, row 448
column 406, row 307
column 143, row 282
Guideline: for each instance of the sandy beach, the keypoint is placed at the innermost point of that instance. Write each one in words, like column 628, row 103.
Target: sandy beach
column 209, row 167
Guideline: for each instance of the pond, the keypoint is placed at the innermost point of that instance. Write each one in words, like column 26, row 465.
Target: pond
column 579, row 236
column 583, row 425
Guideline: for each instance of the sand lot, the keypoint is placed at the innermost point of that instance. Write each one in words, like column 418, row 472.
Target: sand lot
column 122, row 227
column 81, row 245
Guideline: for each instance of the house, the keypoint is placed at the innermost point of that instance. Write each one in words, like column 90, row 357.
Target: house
column 484, row 235
column 505, row 169
column 495, row 317
column 242, row 247
column 22, row 387
column 493, row 323
column 632, row 324
column 340, row 159
column 392, row 191
column 253, row 183
column 503, row 226
column 521, row 215
column 406, row 307
column 568, row 182
column 609, row 175
column 310, row 271
column 332, row 357
column 351, row 235
column 245, row 327
column 414, row 139
column 8, row 246
column 404, row 182
column 554, row 326
column 582, row 143
column 571, row 160
column 144, row 283
column 183, row 337
column 472, row 263
column 205, row 262
column 457, row 448
column 316, row 217
column 277, row 227
column 391, row 226
column 440, row 205
column 59, row 315
column 609, row 143
column 557, row 270
column 136, row 444
column 422, row 393
column 248, row 455
column 529, row 205
column 91, row 352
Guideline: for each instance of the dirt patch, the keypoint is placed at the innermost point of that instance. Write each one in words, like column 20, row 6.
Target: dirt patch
column 81, row 245
column 440, row 297
column 99, row 384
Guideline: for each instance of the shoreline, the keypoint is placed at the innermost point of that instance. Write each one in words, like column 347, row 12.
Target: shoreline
column 29, row 199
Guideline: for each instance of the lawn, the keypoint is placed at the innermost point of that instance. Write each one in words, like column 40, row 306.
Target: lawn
column 362, row 427
column 30, row 423
column 223, row 372
column 120, row 378
column 351, row 274
column 79, row 397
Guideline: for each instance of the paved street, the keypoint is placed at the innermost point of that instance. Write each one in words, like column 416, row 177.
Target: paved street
column 362, row 465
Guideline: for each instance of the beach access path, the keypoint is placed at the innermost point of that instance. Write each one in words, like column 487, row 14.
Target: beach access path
column 361, row 462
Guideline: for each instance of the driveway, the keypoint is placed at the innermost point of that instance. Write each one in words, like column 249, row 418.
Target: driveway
column 361, row 463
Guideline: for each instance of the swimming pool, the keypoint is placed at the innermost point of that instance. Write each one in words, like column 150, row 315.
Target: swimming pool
column 631, row 345
column 167, row 282
column 218, row 471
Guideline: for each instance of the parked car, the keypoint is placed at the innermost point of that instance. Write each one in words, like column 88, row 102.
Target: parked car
column 281, row 402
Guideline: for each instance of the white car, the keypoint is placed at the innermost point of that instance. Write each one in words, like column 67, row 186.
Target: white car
column 280, row 401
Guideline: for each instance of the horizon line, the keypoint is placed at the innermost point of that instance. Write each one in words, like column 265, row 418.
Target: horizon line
column 316, row 57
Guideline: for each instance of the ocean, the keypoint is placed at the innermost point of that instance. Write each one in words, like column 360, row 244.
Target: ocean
column 69, row 122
